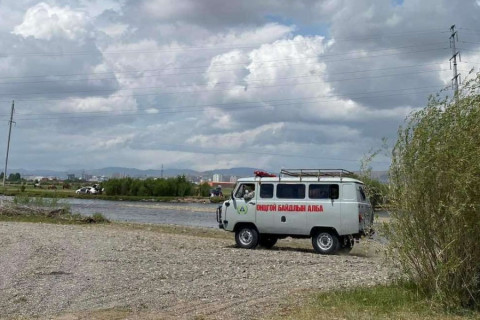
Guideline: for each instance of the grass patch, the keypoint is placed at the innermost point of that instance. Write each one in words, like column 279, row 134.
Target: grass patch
column 395, row 301
column 27, row 209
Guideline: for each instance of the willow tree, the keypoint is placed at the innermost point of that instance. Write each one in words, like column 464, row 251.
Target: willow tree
column 435, row 188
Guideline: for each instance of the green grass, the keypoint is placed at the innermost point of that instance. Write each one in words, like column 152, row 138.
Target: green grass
column 34, row 209
column 395, row 301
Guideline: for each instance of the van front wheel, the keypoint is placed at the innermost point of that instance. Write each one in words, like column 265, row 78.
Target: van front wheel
column 246, row 237
column 325, row 242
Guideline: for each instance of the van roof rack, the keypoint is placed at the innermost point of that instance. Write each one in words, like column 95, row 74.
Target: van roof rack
column 315, row 173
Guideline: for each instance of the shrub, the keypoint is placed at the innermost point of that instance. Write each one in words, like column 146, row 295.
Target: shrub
column 98, row 218
column 435, row 189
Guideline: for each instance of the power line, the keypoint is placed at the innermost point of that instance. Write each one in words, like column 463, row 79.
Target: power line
column 167, row 75
column 187, row 48
column 233, row 83
column 202, row 108
column 471, row 42
column 171, row 74
column 141, row 95
column 8, row 143
column 244, row 102
column 203, row 72
column 250, row 151
column 455, row 53
column 243, row 63
column 471, row 50
column 208, row 90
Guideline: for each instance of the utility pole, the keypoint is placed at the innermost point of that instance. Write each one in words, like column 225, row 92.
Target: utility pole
column 8, row 143
column 455, row 53
column 161, row 172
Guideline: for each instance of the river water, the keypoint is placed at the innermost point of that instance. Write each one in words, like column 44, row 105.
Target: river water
column 188, row 214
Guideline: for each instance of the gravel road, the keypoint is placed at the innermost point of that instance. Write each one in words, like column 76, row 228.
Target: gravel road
column 72, row 271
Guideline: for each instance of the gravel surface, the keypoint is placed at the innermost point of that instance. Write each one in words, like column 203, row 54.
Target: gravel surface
column 69, row 271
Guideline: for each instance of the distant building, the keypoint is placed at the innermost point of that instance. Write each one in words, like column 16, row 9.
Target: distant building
column 71, row 177
column 233, row 179
column 221, row 184
column 217, row 177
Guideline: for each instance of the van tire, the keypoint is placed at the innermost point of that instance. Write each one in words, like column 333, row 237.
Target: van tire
column 246, row 237
column 325, row 242
column 347, row 245
column 267, row 242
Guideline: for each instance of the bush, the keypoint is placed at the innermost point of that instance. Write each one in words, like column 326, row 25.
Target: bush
column 97, row 218
column 435, row 189
column 204, row 190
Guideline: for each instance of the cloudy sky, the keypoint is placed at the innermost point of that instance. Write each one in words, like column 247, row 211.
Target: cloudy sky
column 206, row 84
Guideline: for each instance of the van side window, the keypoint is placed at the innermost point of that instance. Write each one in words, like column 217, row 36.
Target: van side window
column 363, row 197
column 323, row 191
column 266, row 190
column 291, row 191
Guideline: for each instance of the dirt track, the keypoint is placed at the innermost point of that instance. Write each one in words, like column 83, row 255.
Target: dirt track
column 74, row 272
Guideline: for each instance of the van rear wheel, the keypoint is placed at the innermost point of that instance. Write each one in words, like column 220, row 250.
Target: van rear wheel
column 246, row 237
column 347, row 244
column 267, row 242
column 325, row 242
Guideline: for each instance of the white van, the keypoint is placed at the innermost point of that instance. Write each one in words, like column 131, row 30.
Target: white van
column 327, row 205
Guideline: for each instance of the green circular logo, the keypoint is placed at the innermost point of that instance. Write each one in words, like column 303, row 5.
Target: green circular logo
column 242, row 209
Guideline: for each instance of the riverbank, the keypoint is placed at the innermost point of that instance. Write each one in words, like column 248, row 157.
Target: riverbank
column 146, row 271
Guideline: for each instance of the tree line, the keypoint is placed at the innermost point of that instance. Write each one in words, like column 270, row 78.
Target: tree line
column 154, row 187
column 13, row 177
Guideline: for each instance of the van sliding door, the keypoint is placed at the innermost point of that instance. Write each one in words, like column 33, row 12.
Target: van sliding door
column 290, row 216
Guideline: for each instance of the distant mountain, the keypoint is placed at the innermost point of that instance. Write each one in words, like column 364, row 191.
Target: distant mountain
column 130, row 172
column 43, row 173
column 133, row 172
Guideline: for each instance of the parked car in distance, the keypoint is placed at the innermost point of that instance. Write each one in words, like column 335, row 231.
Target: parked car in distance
column 86, row 190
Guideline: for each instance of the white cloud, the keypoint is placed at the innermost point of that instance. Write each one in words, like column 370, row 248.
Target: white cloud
column 151, row 111
column 112, row 104
column 114, row 30
column 46, row 22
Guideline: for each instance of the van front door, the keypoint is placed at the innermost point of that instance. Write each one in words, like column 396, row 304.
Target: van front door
column 245, row 200
column 265, row 208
